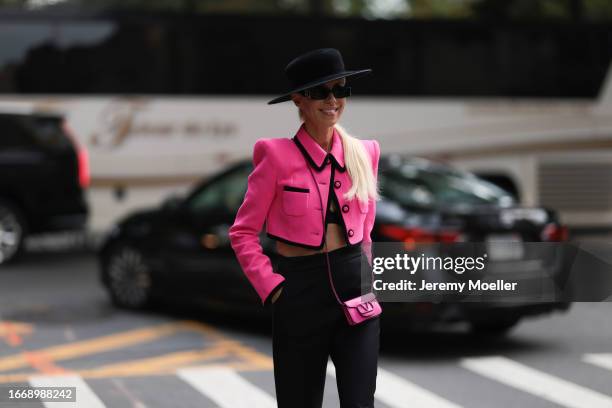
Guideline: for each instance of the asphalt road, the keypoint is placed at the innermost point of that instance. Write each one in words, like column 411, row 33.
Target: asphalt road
column 57, row 327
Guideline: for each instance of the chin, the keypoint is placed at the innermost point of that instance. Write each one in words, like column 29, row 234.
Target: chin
column 331, row 122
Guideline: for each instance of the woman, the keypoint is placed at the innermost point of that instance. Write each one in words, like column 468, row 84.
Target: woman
column 316, row 192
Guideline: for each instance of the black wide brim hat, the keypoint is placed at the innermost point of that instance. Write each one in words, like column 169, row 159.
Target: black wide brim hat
column 316, row 68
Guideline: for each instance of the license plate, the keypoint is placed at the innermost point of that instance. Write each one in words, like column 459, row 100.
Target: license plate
column 504, row 247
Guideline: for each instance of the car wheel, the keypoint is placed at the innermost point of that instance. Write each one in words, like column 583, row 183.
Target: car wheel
column 12, row 231
column 129, row 278
column 498, row 327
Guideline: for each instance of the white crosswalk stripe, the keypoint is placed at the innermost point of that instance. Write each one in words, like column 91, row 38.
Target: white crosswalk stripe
column 603, row 360
column 536, row 382
column 85, row 397
column 397, row 392
column 227, row 388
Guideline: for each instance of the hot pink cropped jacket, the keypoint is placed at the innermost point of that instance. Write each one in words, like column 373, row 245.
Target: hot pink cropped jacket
column 282, row 193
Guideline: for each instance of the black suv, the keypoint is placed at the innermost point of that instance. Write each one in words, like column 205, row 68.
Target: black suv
column 43, row 174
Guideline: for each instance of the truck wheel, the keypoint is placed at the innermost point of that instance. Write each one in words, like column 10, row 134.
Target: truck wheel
column 12, row 231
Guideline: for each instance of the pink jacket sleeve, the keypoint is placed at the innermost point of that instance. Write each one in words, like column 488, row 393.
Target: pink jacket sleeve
column 244, row 234
column 366, row 242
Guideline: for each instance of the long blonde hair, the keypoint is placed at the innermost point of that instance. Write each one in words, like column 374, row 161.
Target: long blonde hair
column 357, row 162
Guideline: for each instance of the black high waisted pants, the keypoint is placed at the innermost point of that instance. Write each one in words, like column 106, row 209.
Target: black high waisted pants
column 309, row 326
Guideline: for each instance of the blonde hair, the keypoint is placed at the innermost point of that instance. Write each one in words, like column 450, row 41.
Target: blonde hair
column 358, row 165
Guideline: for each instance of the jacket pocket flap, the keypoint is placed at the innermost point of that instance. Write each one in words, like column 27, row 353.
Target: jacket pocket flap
column 296, row 189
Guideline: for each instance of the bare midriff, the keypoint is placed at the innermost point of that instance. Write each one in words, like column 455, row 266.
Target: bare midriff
column 334, row 237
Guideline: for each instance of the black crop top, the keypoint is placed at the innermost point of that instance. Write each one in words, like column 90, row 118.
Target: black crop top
column 332, row 216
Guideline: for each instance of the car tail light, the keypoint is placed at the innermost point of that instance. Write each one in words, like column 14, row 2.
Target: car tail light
column 447, row 237
column 82, row 156
column 555, row 232
column 412, row 236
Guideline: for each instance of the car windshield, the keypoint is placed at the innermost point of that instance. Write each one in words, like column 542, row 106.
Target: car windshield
column 420, row 184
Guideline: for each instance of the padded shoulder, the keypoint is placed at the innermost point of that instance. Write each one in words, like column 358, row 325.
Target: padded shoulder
column 270, row 147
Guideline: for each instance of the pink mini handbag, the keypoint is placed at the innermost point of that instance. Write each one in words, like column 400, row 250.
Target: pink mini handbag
column 361, row 308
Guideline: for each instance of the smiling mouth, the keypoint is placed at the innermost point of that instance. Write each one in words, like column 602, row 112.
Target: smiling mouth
column 329, row 111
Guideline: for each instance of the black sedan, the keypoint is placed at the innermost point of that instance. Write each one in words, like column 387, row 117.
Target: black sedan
column 180, row 251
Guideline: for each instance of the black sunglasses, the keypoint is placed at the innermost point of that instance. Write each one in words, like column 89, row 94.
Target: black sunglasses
column 321, row 92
